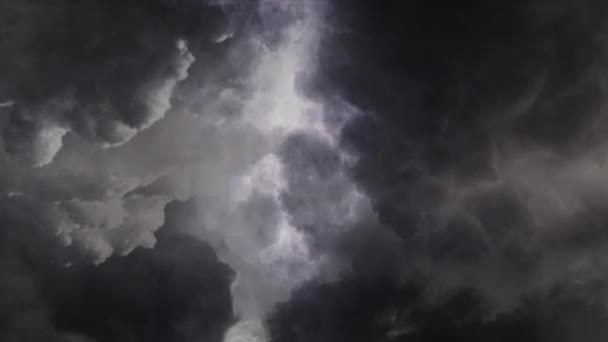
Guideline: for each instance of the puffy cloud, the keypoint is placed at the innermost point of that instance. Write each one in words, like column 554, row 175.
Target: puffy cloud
column 220, row 144
column 102, row 228
column 81, row 78
column 392, row 143
column 68, row 70
column 178, row 291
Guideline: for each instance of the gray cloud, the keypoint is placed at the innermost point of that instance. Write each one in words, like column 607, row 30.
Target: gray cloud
column 480, row 143
column 81, row 80
column 364, row 148
column 66, row 70
column 179, row 291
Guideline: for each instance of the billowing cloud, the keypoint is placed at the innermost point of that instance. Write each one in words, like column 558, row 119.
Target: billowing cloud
column 81, row 80
column 445, row 162
column 66, row 69
column 178, row 291
column 479, row 144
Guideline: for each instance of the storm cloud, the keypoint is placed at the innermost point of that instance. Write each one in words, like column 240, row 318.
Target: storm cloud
column 303, row 170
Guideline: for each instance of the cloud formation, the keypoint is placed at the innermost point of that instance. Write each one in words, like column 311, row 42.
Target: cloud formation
column 66, row 70
column 273, row 161
column 178, row 291
column 479, row 142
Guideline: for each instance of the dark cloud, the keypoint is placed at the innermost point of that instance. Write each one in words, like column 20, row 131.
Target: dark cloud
column 104, row 70
column 379, row 309
column 176, row 292
column 417, row 170
column 319, row 197
column 478, row 142
column 79, row 78
column 179, row 291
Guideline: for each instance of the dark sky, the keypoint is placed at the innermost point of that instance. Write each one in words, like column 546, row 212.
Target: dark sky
column 303, row 171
